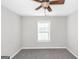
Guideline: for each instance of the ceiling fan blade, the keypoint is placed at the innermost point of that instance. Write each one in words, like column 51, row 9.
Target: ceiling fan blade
column 38, row 7
column 57, row 2
column 49, row 8
column 38, row 1
column 45, row 0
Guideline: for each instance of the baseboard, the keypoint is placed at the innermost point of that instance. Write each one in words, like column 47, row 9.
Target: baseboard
column 43, row 47
column 72, row 52
column 15, row 53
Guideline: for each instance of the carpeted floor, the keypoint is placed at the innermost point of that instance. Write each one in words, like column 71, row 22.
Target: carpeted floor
column 5, row 57
column 44, row 54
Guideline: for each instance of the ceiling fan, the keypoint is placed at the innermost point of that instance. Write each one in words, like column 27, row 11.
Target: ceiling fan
column 46, row 4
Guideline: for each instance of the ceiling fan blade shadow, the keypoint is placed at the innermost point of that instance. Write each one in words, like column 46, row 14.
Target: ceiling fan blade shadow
column 38, row 7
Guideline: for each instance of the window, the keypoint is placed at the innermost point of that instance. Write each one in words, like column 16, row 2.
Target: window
column 44, row 31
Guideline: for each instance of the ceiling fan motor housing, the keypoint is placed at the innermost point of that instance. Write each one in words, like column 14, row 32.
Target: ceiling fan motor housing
column 45, row 4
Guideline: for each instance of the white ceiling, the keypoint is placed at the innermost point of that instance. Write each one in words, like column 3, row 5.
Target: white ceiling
column 26, row 8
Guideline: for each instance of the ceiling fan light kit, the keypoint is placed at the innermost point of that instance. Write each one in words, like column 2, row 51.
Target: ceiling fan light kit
column 45, row 4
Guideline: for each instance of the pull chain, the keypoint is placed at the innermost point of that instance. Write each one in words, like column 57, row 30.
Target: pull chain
column 45, row 12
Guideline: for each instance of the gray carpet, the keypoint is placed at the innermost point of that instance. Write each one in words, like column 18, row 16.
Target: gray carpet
column 5, row 57
column 44, row 54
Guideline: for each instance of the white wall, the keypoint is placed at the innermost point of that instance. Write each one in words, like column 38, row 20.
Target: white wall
column 72, row 32
column 10, row 32
column 58, row 32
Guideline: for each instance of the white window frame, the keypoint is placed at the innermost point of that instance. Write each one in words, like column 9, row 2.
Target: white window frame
column 48, row 31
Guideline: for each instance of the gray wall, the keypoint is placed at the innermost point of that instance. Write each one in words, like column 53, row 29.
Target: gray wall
column 72, row 32
column 57, row 32
column 10, row 32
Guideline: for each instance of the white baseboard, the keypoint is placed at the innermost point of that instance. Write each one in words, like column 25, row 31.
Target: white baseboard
column 15, row 53
column 72, row 52
column 43, row 47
